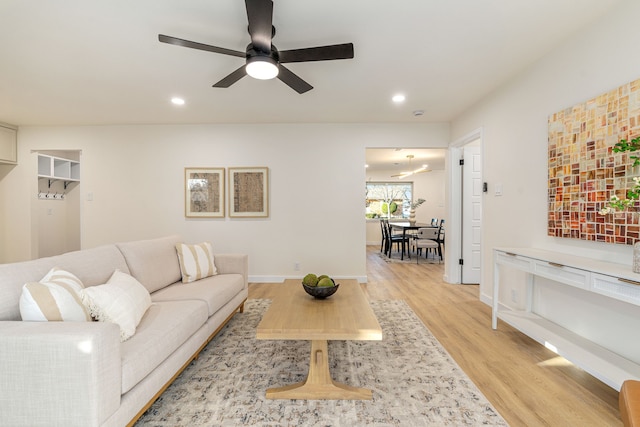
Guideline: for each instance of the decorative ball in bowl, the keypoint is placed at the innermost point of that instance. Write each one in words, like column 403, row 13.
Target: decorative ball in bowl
column 319, row 287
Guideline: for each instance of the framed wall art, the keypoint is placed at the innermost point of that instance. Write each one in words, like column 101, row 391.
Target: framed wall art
column 585, row 171
column 249, row 192
column 204, row 192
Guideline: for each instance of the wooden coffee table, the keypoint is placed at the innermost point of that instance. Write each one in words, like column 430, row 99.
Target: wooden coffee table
column 295, row 315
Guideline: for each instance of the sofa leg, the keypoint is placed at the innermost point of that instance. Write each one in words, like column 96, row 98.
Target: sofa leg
column 241, row 309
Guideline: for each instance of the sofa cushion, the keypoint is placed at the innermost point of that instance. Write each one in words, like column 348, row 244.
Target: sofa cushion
column 164, row 328
column 92, row 266
column 196, row 261
column 215, row 291
column 55, row 298
column 122, row 300
column 153, row 262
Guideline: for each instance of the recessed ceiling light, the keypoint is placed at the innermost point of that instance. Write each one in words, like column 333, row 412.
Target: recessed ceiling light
column 398, row 98
column 177, row 101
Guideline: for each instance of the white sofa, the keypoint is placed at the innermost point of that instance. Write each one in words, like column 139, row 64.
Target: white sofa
column 79, row 373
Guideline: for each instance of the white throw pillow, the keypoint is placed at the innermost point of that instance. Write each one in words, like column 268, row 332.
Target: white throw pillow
column 54, row 298
column 122, row 300
column 196, row 261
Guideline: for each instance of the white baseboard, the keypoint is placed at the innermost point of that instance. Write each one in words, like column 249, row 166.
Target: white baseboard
column 486, row 299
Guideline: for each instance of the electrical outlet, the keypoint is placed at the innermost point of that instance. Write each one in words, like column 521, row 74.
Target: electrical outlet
column 514, row 295
column 296, row 266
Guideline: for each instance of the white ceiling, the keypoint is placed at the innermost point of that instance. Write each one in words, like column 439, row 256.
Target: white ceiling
column 395, row 160
column 87, row 62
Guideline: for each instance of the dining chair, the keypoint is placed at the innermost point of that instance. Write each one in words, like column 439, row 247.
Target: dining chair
column 398, row 239
column 426, row 238
column 385, row 245
column 434, row 221
column 383, row 242
column 441, row 234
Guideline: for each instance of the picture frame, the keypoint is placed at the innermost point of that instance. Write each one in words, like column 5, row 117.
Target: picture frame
column 248, row 192
column 204, row 192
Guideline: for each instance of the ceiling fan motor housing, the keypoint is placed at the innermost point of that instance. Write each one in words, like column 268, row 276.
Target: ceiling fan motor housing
column 262, row 59
column 253, row 52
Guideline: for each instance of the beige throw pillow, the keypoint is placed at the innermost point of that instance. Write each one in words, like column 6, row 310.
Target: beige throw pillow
column 122, row 300
column 54, row 298
column 196, row 261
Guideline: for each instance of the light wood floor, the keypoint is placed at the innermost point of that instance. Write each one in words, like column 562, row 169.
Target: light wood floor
column 528, row 384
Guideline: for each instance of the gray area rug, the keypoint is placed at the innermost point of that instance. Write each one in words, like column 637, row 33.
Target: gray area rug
column 414, row 380
column 395, row 259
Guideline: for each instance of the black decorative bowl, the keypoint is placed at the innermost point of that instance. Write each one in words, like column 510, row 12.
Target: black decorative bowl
column 321, row 292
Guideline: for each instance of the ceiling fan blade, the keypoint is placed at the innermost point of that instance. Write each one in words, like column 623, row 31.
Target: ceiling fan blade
column 320, row 53
column 293, row 81
column 232, row 78
column 260, row 17
column 195, row 45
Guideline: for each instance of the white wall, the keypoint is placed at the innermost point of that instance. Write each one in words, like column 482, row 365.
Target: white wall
column 514, row 123
column 136, row 176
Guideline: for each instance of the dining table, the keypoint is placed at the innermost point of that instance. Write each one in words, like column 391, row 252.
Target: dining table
column 405, row 226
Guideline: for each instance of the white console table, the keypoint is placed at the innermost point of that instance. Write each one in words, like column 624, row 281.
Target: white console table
column 606, row 279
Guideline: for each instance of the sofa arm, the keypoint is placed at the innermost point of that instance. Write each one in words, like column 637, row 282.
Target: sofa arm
column 630, row 403
column 233, row 263
column 59, row 373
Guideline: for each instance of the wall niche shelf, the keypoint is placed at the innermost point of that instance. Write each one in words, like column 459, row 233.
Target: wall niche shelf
column 54, row 168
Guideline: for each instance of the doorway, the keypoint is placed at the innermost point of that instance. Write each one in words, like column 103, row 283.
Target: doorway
column 56, row 210
column 427, row 177
column 464, row 231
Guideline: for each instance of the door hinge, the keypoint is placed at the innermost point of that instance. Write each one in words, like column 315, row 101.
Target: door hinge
column 461, row 261
column 461, row 162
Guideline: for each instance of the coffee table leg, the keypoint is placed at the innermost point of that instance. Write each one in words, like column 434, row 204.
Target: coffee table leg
column 319, row 384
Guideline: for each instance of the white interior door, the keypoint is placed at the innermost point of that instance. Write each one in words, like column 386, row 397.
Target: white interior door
column 471, row 213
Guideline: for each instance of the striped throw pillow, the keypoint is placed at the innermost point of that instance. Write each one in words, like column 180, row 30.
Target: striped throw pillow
column 196, row 261
column 54, row 298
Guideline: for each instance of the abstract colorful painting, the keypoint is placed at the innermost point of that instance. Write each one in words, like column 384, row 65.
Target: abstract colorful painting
column 584, row 171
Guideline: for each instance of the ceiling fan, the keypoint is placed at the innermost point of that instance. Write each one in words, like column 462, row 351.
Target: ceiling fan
column 421, row 169
column 263, row 60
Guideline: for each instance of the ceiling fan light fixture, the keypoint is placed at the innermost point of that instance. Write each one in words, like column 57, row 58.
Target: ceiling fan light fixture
column 262, row 68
